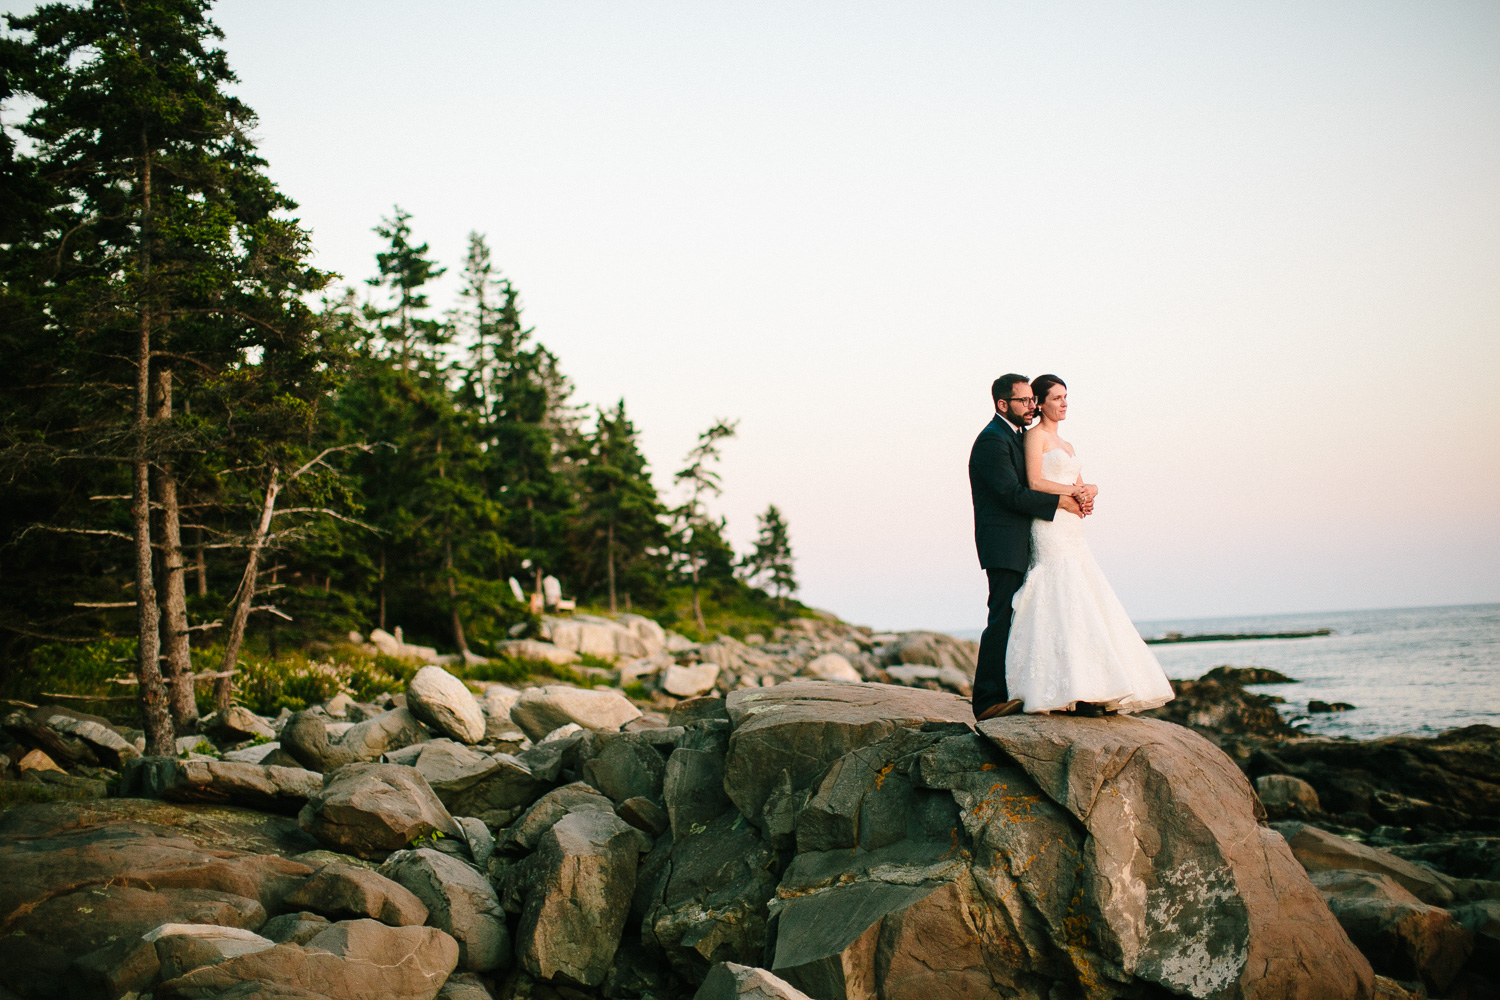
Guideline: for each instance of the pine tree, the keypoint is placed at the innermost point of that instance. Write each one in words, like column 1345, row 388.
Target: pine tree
column 405, row 269
column 619, row 513
column 696, row 531
column 159, row 271
column 772, row 556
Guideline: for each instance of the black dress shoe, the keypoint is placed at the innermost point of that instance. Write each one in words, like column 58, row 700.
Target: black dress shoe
column 1090, row 710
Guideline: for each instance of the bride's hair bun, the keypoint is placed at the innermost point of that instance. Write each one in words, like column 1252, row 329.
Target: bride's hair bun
column 1042, row 384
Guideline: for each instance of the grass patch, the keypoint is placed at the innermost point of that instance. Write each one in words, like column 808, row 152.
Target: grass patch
column 517, row 670
column 729, row 608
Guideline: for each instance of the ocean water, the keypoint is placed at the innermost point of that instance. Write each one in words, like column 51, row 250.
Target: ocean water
column 1406, row 670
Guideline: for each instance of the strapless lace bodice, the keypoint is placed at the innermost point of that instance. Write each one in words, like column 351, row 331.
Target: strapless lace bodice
column 1070, row 640
column 1060, row 467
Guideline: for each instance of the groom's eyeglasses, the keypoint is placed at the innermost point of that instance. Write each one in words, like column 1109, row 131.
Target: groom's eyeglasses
column 1028, row 400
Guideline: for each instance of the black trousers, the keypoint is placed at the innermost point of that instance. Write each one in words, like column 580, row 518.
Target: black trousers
column 989, row 675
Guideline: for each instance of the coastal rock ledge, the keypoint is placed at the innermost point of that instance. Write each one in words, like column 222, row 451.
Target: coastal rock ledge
column 820, row 839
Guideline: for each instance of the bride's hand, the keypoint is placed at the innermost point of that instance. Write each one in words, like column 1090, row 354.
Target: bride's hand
column 1090, row 490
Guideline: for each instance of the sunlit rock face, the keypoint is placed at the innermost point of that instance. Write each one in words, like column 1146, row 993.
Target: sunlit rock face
column 810, row 839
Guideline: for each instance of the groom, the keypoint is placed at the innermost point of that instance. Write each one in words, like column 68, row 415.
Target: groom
column 1003, row 510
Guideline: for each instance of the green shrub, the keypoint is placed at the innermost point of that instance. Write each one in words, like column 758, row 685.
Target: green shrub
column 295, row 681
column 75, row 668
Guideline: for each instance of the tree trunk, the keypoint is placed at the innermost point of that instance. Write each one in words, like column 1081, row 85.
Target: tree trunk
column 224, row 686
column 161, row 740
column 697, row 606
column 458, row 623
column 611, row 562
column 202, row 566
column 381, row 626
column 175, row 636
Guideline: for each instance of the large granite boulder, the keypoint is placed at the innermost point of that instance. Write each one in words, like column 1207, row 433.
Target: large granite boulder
column 95, row 934
column 1046, row 857
column 705, row 897
column 1287, row 797
column 690, row 680
column 693, row 790
column 351, row 960
column 541, row 710
column 236, row 724
column 832, row 667
column 1450, row 782
column 180, row 948
column 934, row 649
column 728, row 981
column 599, row 637
column 582, row 879
column 369, row 810
column 1403, row 937
column 444, row 703
column 47, row 729
column 1482, row 920
column 452, row 770
column 107, row 743
column 1186, row 889
column 624, row 766
column 306, row 737
column 276, row 789
column 1318, row 850
column 459, row 900
column 785, row 736
column 1217, row 707
column 84, row 881
column 350, row 892
column 527, row 832
column 534, row 649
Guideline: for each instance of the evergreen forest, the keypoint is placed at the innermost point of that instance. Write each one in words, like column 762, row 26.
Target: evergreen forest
column 218, row 460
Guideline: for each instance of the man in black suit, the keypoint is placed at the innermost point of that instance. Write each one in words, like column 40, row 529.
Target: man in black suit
column 1003, row 510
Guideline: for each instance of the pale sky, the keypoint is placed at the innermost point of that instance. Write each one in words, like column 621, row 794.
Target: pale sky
column 1260, row 241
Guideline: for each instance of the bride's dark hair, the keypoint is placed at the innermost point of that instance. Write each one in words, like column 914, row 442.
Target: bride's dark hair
column 1042, row 384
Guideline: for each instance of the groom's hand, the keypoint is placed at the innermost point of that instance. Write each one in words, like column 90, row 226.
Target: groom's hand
column 1070, row 505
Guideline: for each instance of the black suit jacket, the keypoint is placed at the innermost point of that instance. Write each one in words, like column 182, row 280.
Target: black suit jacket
column 1003, row 504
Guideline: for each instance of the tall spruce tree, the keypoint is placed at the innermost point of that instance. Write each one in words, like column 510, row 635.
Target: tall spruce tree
column 699, row 536
column 771, row 558
column 404, row 270
column 619, row 516
column 158, row 269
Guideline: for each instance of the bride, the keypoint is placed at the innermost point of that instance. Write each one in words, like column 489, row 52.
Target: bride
column 1072, row 647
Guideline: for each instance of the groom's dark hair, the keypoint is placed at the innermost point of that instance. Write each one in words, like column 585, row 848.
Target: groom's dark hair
column 1000, row 388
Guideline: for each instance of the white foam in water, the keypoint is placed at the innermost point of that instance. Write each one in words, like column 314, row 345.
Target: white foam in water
column 1407, row 670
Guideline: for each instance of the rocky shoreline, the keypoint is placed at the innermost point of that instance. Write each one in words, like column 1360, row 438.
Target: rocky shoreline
column 810, row 813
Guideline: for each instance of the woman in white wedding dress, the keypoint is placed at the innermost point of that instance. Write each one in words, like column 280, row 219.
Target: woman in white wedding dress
column 1072, row 646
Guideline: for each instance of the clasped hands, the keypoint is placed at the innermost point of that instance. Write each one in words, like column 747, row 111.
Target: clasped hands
column 1080, row 501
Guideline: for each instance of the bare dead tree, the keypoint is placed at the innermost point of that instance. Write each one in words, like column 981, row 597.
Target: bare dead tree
column 244, row 598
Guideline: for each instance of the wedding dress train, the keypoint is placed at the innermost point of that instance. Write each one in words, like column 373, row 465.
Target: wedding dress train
column 1070, row 639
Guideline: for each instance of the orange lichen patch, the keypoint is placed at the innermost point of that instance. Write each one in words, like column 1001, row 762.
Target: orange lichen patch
column 954, row 848
column 880, row 775
column 987, row 767
column 1075, row 927
column 1012, row 808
